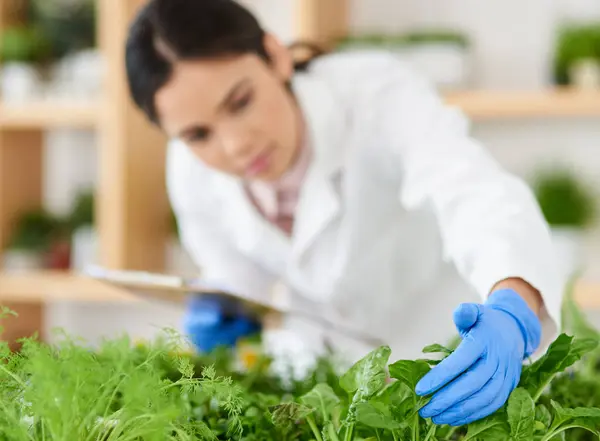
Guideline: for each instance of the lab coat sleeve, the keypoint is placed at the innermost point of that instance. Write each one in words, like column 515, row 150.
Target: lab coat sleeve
column 218, row 261
column 489, row 220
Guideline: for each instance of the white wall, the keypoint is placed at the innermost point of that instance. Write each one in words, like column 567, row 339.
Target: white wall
column 513, row 38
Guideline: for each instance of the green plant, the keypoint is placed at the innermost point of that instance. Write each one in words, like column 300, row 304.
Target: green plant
column 575, row 43
column 35, row 230
column 405, row 39
column 83, row 212
column 430, row 36
column 156, row 391
column 69, row 25
column 22, row 44
column 564, row 199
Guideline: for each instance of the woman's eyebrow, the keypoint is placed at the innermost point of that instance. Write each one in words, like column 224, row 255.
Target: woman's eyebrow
column 232, row 92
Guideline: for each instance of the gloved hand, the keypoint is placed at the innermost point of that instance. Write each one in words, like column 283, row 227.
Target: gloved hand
column 497, row 336
column 209, row 324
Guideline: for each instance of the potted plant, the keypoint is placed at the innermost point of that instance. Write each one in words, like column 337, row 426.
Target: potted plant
column 361, row 42
column 442, row 56
column 32, row 238
column 22, row 50
column 577, row 56
column 84, row 237
column 569, row 208
column 69, row 25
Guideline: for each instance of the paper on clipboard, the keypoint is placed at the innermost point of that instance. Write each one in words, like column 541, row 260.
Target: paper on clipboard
column 177, row 289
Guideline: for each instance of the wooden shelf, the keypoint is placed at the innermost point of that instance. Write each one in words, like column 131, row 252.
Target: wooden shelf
column 56, row 286
column 477, row 104
column 587, row 294
column 481, row 105
column 48, row 115
column 50, row 286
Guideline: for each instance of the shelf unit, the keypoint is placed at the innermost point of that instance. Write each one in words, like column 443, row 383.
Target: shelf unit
column 132, row 206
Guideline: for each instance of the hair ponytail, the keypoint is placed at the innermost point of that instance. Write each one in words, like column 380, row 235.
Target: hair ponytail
column 302, row 62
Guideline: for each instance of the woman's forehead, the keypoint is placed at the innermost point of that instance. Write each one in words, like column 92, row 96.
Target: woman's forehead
column 201, row 86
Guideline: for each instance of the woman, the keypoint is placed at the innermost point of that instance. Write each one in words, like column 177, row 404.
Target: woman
column 351, row 183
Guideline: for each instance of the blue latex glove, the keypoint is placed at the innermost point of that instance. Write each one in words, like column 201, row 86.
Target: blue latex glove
column 477, row 379
column 209, row 324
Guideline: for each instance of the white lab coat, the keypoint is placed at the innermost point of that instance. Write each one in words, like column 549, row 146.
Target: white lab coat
column 402, row 215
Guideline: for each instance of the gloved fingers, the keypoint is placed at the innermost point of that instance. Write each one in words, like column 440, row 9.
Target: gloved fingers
column 242, row 327
column 467, row 353
column 462, row 388
column 486, row 398
column 485, row 411
column 204, row 301
column 465, row 316
column 203, row 318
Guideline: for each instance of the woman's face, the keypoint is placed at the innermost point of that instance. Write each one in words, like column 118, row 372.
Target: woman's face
column 236, row 114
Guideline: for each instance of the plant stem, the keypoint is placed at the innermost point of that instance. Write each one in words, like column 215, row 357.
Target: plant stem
column 452, row 431
column 332, row 432
column 377, row 434
column 395, row 435
column 349, row 432
column 551, row 435
column 314, row 428
column 430, row 432
column 416, row 435
column 14, row 377
column 540, row 391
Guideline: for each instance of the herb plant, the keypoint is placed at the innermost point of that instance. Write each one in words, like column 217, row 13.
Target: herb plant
column 157, row 391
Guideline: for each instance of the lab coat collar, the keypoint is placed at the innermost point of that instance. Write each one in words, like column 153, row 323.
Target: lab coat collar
column 319, row 201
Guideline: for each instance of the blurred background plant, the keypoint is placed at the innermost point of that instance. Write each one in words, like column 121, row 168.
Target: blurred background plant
column 441, row 55
column 68, row 25
column 569, row 206
column 577, row 54
column 564, row 198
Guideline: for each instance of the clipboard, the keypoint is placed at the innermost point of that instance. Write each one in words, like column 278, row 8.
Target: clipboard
column 175, row 289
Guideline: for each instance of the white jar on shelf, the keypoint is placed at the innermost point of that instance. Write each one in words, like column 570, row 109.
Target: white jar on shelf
column 21, row 260
column 21, row 83
column 84, row 248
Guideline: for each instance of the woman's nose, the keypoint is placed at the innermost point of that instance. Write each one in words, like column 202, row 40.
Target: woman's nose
column 237, row 146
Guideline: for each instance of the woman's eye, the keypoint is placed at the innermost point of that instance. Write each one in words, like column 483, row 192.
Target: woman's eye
column 199, row 135
column 241, row 103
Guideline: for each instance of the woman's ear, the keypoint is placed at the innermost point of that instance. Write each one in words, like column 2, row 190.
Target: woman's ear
column 280, row 57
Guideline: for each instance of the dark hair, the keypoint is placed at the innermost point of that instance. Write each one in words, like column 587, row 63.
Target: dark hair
column 165, row 31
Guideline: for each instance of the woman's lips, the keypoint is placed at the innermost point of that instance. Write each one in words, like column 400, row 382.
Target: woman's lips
column 260, row 164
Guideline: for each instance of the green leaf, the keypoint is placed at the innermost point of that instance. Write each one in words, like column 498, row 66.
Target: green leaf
column 376, row 417
column 286, row 415
column 321, row 398
column 542, row 414
column 521, row 415
column 436, row 348
column 409, row 372
column 561, row 354
column 492, row 428
column 393, row 394
column 368, row 375
column 565, row 415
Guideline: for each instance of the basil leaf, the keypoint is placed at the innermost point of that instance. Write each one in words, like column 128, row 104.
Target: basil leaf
column 521, row 415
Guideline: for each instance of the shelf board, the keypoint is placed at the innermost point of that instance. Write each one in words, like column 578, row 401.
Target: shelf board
column 48, row 115
column 56, row 285
column 477, row 104
column 484, row 104
column 66, row 286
